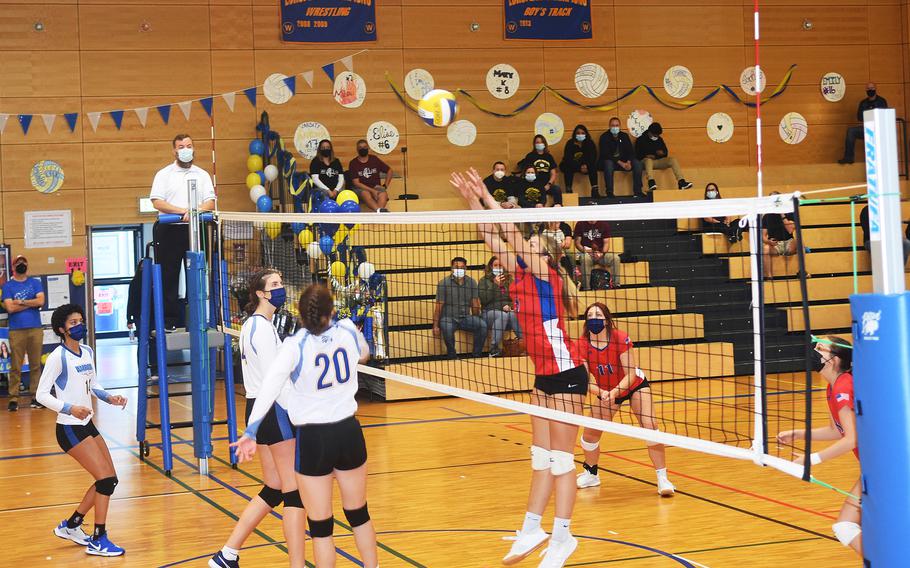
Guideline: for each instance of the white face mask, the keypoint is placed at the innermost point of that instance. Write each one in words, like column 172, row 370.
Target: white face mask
column 531, row 177
column 458, row 272
column 540, row 147
column 499, row 174
column 185, row 155
column 711, row 195
column 614, row 130
column 497, row 272
column 653, row 137
column 580, row 137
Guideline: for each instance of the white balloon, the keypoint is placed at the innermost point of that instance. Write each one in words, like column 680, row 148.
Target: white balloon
column 256, row 192
column 271, row 172
column 365, row 270
column 313, row 249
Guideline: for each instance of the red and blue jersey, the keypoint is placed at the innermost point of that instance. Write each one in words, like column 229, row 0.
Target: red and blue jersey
column 605, row 363
column 840, row 395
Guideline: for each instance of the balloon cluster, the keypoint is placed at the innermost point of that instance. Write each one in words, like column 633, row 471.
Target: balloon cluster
column 331, row 235
column 258, row 176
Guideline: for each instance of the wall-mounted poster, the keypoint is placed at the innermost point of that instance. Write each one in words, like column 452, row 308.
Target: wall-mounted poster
column 548, row 19
column 328, row 21
column 591, row 80
column 503, row 81
column 833, row 87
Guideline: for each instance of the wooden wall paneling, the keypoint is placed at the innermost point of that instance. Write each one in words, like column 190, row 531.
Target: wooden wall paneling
column 487, row 123
column 37, row 133
column 115, row 205
column 48, row 260
column 684, row 26
column 131, row 130
column 596, row 121
column 372, row 66
column 230, row 2
column 710, row 66
column 431, row 158
column 448, row 24
column 16, row 204
column 813, row 62
column 231, row 26
column 234, row 197
column 146, row 73
column 118, row 27
column 467, row 68
column 233, row 70
column 18, row 160
column 783, row 25
column 231, row 157
column 134, row 164
column 267, row 30
column 145, row 2
column 17, row 27
column 885, row 62
column 809, row 102
column 823, row 145
column 237, row 125
column 885, row 24
column 40, row 73
column 560, row 64
column 603, row 20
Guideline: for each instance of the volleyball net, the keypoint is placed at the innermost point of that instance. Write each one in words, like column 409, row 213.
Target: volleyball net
column 724, row 349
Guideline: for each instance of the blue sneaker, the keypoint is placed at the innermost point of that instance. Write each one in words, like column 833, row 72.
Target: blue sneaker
column 102, row 546
column 219, row 561
column 76, row 535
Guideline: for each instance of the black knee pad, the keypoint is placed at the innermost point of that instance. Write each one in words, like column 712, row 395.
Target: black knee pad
column 357, row 517
column 292, row 499
column 323, row 528
column 271, row 496
column 107, row 485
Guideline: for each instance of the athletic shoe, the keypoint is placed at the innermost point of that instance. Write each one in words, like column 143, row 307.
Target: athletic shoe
column 76, row 535
column 23, row 389
column 664, row 487
column 102, row 546
column 13, row 405
column 557, row 553
column 652, row 185
column 683, row 184
column 219, row 561
column 523, row 545
column 36, row 404
column 586, row 479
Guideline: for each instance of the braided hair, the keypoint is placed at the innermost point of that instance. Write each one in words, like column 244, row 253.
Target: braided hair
column 257, row 284
column 316, row 306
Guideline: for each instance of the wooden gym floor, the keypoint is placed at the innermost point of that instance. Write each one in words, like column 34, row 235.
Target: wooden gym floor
column 448, row 479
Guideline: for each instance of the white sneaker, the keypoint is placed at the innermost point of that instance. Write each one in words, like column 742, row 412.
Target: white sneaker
column 523, row 545
column 76, row 535
column 664, row 487
column 557, row 553
column 586, row 479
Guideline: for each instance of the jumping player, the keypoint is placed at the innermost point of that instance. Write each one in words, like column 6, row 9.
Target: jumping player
column 610, row 358
column 544, row 294
column 321, row 361
column 70, row 371
column 259, row 343
column 833, row 360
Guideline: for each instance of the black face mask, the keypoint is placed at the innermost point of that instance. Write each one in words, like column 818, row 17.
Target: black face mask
column 21, row 268
column 870, row 93
column 816, row 362
column 326, row 152
column 363, row 152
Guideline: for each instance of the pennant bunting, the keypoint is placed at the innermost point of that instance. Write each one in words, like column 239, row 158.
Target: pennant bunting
column 3, row 119
column 330, row 71
column 93, row 118
column 49, row 121
column 291, row 82
column 206, row 105
column 251, row 95
column 117, row 115
column 25, row 120
column 71, row 118
column 186, row 108
column 142, row 114
column 308, row 77
column 348, row 62
column 229, row 99
column 165, row 112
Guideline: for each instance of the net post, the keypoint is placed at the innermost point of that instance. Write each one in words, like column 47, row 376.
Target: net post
column 759, row 439
column 804, row 305
column 881, row 333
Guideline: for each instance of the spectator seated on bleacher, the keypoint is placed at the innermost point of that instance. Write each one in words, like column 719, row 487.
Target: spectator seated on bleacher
column 592, row 240
column 326, row 170
column 545, row 166
column 562, row 233
column 580, row 157
column 617, row 154
column 458, row 307
column 502, row 186
column 364, row 174
column 854, row 133
column 530, row 188
column 864, row 224
column 777, row 238
column 496, row 303
column 728, row 226
column 651, row 149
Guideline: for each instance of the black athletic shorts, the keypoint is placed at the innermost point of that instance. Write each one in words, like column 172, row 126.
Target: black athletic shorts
column 642, row 385
column 69, row 435
column 573, row 381
column 276, row 426
column 323, row 448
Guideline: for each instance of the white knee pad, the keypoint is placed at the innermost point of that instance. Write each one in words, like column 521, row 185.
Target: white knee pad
column 846, row 532
column 540, row 458
column 589, row 446
column 561, row 462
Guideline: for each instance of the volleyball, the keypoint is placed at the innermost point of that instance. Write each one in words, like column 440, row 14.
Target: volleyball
column 437, row 108
column 591, row 80
column 46, row 176
column 793, row 128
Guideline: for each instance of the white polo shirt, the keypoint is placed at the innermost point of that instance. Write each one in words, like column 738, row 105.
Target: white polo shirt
column 170, row 184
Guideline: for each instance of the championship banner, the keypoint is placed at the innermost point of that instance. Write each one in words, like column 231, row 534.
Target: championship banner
column 328, row 21
column 548, row 19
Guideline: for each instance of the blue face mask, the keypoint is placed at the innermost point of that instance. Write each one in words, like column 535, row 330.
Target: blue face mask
column 185, row 155
column 580, row 137
column 531, row 177
column 540, row 147
column 77, row 332
column 279, row 297
column 595, row 326
column 614, row 130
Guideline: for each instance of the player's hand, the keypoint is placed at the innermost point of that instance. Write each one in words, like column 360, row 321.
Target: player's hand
column 788, row 436
column 245, row 448
column 186, row 216
column 507, row 308
column 118, row 400
column 436, row 331
column 80, row 412
column 500, row 279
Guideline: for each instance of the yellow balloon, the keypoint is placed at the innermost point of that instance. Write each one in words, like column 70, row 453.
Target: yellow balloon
column 338, row 269
column 44, row 358
column 341, row 234
column 306, row 237
column 346, row 195
column 78, row 278
column 273, row 229
column 254, row 163
column 253, row 179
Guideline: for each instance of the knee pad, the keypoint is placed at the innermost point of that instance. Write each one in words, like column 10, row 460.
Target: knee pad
column 846, row 532
column 540, row 458
column 270, row 495
column 589, row 446
column 321, row 529
column 292, row 499
column 107, row 485
column 561, row 462
column 357, row 517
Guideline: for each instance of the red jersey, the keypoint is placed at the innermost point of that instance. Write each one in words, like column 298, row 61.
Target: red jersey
column 538, row 305
column 604, row 363
column 840, row 395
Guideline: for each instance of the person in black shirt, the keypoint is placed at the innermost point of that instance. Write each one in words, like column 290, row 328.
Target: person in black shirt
column 854, row 133
column 618, row 155
column 501, row 186
column 728, row 226
column 326, row 170
column 864, row 224
column 543, row 162
column 777, row 238
column 531, row 188
column 580, row 156
column 651, row 149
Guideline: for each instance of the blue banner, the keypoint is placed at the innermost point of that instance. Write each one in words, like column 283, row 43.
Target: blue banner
column 328, row 21
column 548, row 19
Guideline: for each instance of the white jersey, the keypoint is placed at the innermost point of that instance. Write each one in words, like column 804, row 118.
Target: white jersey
column 322, row 371
column 72, row 376
column 259, row 343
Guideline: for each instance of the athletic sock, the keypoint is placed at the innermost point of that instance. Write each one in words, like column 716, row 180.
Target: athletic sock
column 75, row 520
column 661, row 473
column 100, row 531
column 560, row 529
column 592, row 469
column 532, row 522
column 229, row 553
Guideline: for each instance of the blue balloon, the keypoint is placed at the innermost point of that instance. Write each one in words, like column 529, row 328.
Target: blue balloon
column 257, row 147
column 350, row 206
column 297, row 227
column 328, row 228
column 326, row 244
column 264, row 204
column 261, row 175
column 328, row 206
column 376, row 280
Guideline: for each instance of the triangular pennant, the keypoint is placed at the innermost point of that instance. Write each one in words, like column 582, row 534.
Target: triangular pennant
column 71, row 118
column 3, row 119
column 185, row 108
column 49, row 121
column 142, row 114
column 291, row 82
column 229, row 99
column 25, row 120
column 330, row 71
column 206, row 105
column 308, row 77
column 165, row 112
column 117, row 115
column 348, row 62
column 93, row 118
column 251, row 95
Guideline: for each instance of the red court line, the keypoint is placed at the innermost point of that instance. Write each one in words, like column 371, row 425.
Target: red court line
column 707, row 482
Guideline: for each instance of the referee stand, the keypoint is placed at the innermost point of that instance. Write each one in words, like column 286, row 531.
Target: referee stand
column 201, row 338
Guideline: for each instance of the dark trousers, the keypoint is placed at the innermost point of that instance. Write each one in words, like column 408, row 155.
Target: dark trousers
column 570, row 169
column 854, row 133
column 171, row 244
column 610, row 166
column 473, row 324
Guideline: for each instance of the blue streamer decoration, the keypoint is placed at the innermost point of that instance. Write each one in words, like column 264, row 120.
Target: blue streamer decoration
column 206, row 105
column 291, row 82
column 25, row 120
column 71, row 118
column 251, row 95
column 117, row 115
column 165, row 112
column 330, row 71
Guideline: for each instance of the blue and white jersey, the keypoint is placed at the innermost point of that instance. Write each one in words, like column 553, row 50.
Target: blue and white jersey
column 322, row 372
column 72, row 376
